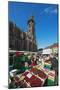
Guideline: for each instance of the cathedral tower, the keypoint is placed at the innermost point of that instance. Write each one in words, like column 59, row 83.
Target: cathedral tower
column 31, row 35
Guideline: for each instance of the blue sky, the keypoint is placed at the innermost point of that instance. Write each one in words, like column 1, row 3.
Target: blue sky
column 46, row 20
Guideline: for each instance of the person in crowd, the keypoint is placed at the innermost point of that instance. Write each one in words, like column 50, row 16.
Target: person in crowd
column 26, row 66
column 54, row 63
column 29, row 59
column 40, row 61
column 33, row 62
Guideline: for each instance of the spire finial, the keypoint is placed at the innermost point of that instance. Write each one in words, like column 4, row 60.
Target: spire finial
column 31, row 19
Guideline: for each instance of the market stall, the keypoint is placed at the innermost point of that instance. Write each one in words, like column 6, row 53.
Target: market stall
column 32, row 74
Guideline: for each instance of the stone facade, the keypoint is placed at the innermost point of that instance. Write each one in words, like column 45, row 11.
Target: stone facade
column 22, row 41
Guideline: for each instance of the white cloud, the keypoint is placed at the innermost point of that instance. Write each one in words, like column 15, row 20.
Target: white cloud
column 50, row 10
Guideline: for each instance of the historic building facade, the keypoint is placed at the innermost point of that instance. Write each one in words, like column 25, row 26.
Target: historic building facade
column 22, row 41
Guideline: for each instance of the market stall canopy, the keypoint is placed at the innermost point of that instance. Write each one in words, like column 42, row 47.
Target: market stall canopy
column 47, row 51
column 19, row 53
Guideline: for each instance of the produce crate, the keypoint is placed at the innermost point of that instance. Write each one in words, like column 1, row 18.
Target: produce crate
column 50, row 82
column 47, row 66
column 51, row 78
column 33, row 80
